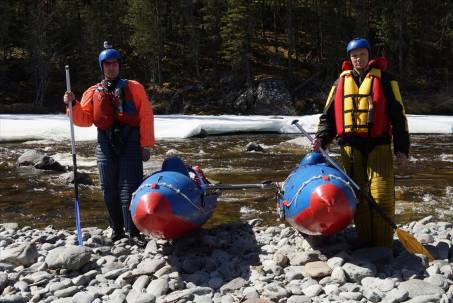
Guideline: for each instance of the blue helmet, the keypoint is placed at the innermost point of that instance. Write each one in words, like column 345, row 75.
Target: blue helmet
column 108, row 53
column 358, row 43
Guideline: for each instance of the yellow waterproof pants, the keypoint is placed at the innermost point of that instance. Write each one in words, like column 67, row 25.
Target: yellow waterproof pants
column 374, row 174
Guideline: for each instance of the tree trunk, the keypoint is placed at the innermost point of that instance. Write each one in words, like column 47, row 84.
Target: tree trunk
column 290, row 38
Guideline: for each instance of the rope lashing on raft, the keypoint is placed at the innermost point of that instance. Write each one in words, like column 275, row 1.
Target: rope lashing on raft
column 303, row 185
column 171, row 187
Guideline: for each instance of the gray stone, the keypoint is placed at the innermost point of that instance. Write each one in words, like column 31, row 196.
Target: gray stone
column 232, row 286
column 396, row 295
column 312, row 290
column 66, row 292
column 298, row 299
column 12, row 299
column 424, row 238
column 425, row 299
column 356, row 272
column 351, row 295
column 40, row 160
column 113, row 274
column 81, row 280
column 373, row 295
column 38, row 276
column 275, row 291
column 253, row 146
column 317, row 269
column 141, row 283
column 335, row 262
column 383, row 285
column 23, row 254
column 338, row 275
column 139, row 297
column 3, row 281
column 9, row 226
column 202, row 299
column 158, row 287
column 331, row 289
column 83, row 297
column 294, row 273
column 250, row 293
column 418, row 287
column 280, row 259
column 149, row 266
column 303, row 258
column 111, row 265
column 227, row 299
column 71, row 257
column 22, row 286
column 187, row 293
column 151, row 247
column 437, row 280
column 166, row 270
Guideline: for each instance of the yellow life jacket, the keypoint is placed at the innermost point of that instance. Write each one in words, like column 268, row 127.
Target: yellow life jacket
column 360, row 110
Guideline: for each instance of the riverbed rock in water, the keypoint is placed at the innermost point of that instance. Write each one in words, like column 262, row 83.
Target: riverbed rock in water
column 82, row 178
column 253, row 146
column 39, row 160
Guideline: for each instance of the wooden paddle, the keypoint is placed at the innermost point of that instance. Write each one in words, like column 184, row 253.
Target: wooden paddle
column 410, row 243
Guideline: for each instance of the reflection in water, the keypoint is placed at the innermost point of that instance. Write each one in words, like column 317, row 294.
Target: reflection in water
column 39, row 198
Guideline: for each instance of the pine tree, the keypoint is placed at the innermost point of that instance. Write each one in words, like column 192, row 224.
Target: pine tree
column 144, row 17
column 236, row 37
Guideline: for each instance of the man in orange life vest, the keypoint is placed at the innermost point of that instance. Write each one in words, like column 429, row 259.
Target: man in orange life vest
column 364, row 110
column 125, row 123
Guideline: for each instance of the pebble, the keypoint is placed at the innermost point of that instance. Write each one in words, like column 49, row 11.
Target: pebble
column 245, row 262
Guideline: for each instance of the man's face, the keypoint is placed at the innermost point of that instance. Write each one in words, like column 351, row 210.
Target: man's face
column 359, row 58
column 111, row 68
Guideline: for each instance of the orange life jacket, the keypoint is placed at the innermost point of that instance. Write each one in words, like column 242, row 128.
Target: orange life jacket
column 110, row 107
column 361, row 110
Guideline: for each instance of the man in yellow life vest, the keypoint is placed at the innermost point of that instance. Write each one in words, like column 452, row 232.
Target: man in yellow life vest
column 365, row 112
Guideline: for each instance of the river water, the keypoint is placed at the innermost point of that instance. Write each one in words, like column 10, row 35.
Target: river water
column 39, row 198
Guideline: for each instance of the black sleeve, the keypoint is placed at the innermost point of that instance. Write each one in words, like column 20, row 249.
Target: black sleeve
column 326, row 128
column 397, row 116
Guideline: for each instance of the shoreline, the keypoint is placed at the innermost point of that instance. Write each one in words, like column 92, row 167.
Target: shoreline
column 238, row 262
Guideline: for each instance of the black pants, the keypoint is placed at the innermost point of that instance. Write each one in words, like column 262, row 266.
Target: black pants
column 120, row 174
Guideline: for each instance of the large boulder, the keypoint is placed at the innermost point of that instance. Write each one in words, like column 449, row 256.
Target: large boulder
column 71, row 257
column 23, row 254
column 39, row 160
column 273, row 98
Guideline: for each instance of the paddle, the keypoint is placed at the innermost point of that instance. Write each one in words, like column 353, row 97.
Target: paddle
column 410, row 243
column 74, row 163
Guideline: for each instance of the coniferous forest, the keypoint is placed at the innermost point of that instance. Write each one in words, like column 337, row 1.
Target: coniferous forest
column 200, row 56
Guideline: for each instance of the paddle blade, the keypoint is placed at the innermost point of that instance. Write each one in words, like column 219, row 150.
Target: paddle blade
column 412, row 245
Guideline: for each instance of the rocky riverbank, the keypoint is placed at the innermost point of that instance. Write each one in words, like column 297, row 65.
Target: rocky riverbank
column 241, row 262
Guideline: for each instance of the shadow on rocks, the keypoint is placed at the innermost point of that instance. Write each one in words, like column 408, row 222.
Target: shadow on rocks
column 220, row 257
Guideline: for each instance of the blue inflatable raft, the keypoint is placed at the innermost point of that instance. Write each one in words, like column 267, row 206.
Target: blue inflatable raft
column 172, row 202
column 316, row 198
